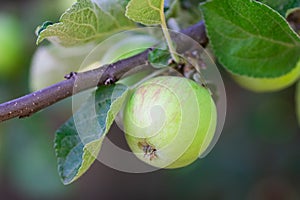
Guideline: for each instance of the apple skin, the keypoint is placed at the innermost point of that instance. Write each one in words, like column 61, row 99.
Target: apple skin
column 169, row 121
column 269, row 84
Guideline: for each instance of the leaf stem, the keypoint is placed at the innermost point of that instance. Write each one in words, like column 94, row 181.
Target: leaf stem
column 167, row 34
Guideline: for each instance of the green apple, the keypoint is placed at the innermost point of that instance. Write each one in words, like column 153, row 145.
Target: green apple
column 269, row 84
column 11, row 45
column 169, row 121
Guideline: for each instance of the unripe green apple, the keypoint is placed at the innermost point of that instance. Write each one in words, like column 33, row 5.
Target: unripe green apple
column 169, row 121
column 269, row 84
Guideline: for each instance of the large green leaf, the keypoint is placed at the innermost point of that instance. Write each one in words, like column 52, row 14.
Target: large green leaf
column 282, row 6
column 147, row 12
column 78, row 144
column 86, row 21
column 251, row 39
column 298, row 102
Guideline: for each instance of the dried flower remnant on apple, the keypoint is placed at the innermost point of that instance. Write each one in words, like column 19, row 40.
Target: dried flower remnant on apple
column 148, row 149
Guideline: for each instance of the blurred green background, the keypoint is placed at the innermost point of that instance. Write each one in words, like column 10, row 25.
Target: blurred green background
column 257, row 156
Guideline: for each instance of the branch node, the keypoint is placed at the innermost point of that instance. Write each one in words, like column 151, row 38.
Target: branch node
column 70, row 75
column 111, row 80
column 25, row 116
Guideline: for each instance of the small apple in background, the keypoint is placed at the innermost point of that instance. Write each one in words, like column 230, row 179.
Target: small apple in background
column 269, row 84
column 169, row 121
column 11, row 45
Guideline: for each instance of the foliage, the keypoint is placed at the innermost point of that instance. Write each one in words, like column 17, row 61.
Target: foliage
column 145, row 11
column 248, row 38
column 159, row 58
column 76, row 152
column 244, row 44
column 87, row 21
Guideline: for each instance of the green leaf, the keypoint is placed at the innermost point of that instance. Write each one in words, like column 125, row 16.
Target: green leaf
column 251, row 39
column 87, row 21
column 159, row 58
column 78, row 146
column 43, row 27
column 282, row 6
column 147, row 12
column 151, row 12
column 298, row 101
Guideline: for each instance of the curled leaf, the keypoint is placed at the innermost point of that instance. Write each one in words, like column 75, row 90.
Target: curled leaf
column 87, row 21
